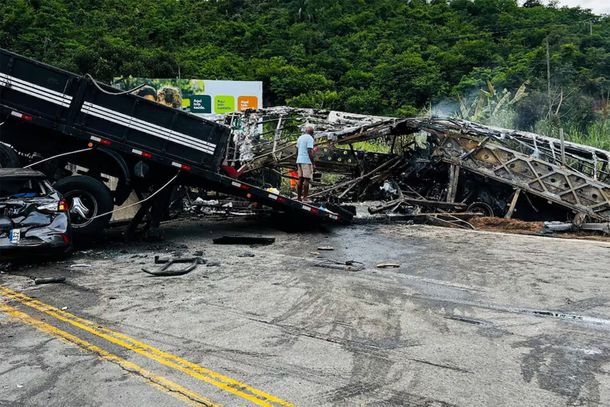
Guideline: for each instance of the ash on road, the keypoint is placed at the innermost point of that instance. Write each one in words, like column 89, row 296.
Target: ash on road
column 469, row 319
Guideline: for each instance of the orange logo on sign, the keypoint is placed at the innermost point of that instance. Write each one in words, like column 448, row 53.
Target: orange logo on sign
column 247, row 102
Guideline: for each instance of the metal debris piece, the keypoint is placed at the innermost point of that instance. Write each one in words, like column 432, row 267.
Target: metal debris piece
column 326, row 248
column 558, row 227
column 161, row 260
column 248, row 240
column 49, row 280
column 387, row 265
column 350, row 265
column 166, row 271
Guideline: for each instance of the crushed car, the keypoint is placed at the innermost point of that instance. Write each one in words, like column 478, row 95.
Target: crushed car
column 34, row 217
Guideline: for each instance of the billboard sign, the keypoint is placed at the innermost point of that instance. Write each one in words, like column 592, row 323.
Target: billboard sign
column 198, row 96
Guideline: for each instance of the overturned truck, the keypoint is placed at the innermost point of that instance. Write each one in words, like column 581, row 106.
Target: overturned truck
column 432, row 165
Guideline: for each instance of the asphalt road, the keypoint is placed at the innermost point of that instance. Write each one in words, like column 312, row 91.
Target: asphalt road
column 468, row 319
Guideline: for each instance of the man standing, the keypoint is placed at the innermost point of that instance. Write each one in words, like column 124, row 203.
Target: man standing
column 305, row 162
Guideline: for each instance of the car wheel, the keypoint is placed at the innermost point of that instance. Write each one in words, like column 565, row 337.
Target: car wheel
column 87, row 198
column 8, row 157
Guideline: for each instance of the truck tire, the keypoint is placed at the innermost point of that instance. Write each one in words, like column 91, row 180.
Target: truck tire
column 87, row 198
column 8, row 157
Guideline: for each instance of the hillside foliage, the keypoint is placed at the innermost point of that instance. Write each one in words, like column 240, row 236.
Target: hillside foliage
column 388, row 57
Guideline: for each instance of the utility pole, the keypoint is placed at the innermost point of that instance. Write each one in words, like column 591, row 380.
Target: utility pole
column 562, row 139
column 591, row 28
column 548, row 76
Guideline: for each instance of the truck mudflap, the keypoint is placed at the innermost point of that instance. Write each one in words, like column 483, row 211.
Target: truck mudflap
column 277, row 201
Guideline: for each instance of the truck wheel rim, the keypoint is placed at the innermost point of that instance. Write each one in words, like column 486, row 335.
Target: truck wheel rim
column 481, row 207
column 83, row 208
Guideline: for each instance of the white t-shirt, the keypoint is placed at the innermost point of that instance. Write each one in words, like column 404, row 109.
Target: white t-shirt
column 304, row 142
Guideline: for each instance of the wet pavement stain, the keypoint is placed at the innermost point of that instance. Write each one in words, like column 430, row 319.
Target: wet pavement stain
column 566, row 366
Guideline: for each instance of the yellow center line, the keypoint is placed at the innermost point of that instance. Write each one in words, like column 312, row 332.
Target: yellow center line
column 159, row 382
column 194, row 370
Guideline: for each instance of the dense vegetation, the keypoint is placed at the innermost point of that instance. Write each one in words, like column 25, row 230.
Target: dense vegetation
column 391, row 57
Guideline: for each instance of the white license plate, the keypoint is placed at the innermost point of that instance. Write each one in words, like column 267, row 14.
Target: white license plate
column 14, row 236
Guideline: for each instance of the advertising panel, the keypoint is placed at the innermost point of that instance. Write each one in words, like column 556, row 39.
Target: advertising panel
column 198, row 96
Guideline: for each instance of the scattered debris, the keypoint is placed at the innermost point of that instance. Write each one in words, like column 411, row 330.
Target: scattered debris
column 246, row 240
column 558, row 227
column 79, row 265
column 224, row 208
column 49, row 280
column 387, row 265
column 246, row 254
column 350, row 265
column 161, row 260
column 166, row 269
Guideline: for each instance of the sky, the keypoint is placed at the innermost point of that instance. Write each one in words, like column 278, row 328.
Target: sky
column 598, row 6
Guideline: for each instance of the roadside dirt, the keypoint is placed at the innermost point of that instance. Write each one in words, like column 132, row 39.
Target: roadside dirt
column 506, row 225
column 519, row 227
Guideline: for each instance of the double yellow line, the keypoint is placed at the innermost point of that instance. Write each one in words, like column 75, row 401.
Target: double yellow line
column 159, row 382
column 199, row 372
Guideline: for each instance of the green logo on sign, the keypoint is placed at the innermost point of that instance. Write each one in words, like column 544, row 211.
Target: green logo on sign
column 201, row 104
column 224, row 104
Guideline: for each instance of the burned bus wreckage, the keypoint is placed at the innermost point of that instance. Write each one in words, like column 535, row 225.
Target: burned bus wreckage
column 435, row 169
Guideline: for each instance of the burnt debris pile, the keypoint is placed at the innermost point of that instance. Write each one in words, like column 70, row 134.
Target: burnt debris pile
column 432, row 169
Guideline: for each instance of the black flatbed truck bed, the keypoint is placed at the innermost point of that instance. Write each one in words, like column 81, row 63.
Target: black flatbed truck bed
column 48, row 111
